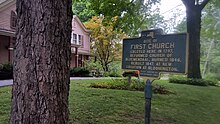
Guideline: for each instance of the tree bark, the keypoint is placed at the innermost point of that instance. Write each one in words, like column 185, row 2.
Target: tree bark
column 193, row 28
column 41, row 62
column 193, row 13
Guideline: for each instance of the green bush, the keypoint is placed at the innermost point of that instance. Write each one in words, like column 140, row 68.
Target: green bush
column 106, row 74
column 198, row 82
column 114, row 84
column 213, row 77
column 6, row 71
column 135, row 85
column 95, row 68
column 115, row 69
column 79, row 72
column 6, row 67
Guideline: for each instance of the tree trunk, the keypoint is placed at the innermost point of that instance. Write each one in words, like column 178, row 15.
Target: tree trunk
column 41, row 62
column 207, row 58
column 193, row 28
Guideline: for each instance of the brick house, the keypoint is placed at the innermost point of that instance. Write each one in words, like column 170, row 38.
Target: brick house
column 80, row 37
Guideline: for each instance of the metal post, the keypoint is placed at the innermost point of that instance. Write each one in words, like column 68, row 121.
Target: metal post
column 129, row 79
column 148, row 96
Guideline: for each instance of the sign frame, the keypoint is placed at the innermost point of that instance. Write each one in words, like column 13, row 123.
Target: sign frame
column 151, row 34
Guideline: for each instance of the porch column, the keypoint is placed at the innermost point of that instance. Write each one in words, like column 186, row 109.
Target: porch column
column 76, row 57
column 10, row 50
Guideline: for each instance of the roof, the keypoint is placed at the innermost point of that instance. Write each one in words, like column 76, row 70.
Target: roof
column 5, row 3
column 7, row 32
column 81, row 24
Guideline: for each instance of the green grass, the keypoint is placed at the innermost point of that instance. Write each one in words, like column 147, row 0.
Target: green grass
column 189, row 105
column 5, row 102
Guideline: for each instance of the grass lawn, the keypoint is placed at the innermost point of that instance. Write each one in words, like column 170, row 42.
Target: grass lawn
column 189, row 105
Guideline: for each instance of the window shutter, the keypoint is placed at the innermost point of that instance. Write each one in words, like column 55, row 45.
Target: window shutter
column 82, row 44
column 13, row 20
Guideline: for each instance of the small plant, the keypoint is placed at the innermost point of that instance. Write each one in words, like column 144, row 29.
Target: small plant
column 190, row 81
column 6, row 67
column 95, row 68
column 79, row 72
column 122, row 84
column 115, row 69
column 6, row 71
column 213, row 77
column 131, row 73
column 158, row 89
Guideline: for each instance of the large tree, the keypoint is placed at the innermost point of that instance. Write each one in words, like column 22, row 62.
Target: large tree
column 133, row 15
column 41, row 62
column 194, row 12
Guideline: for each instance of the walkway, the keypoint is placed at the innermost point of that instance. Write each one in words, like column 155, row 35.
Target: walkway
column 10, row 82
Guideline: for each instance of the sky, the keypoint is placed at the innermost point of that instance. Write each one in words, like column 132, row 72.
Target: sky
column 170, row 8
column 168, row 5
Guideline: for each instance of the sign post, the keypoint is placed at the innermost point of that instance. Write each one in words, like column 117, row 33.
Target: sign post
column 148, row 96
column 152, row 54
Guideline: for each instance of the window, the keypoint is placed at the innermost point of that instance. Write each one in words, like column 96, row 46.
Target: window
column 13, row 20
column 73, row 38
column 77, row 39
column 80, row 39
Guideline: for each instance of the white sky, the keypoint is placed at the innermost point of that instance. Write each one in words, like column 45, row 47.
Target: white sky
column 167, row 5
column 172, row 10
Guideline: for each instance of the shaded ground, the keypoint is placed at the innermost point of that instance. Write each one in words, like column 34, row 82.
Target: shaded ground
column 190, row 105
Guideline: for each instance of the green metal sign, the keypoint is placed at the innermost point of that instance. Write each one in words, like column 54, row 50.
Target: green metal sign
column 154, row 53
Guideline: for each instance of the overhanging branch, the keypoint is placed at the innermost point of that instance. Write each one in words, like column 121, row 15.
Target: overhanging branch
column 189, row 3
column 203, row 4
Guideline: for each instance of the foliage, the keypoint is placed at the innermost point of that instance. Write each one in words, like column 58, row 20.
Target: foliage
column 131, row 73
column 215, row 77
column 6, row 71
column 160, row 89
column 6, row 67
column 191, row 81
column 134, row 15
column 115, row 69
column 81, row 9
column 171, row 22
column 93, row 66
column 210, row 35
column 181, row 27
column 105, row 41
column 210, row 39
column 135, row 85
column 79, row 72
column 97, row 70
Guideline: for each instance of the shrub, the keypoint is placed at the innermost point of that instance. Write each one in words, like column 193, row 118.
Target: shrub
column 115, row 69
column 94, row 67
column 136, row 85
column 158, row 89
column 6, row 71
column 198, row 82
column 213, row 77
column 79, row 72
column 6, row 67
column 131, row 73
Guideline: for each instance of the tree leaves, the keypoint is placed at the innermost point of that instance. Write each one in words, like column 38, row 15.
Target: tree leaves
column 105, row 41
column 133, row 15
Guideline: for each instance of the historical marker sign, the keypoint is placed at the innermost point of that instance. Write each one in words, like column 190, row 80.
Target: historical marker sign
column 153, row 53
